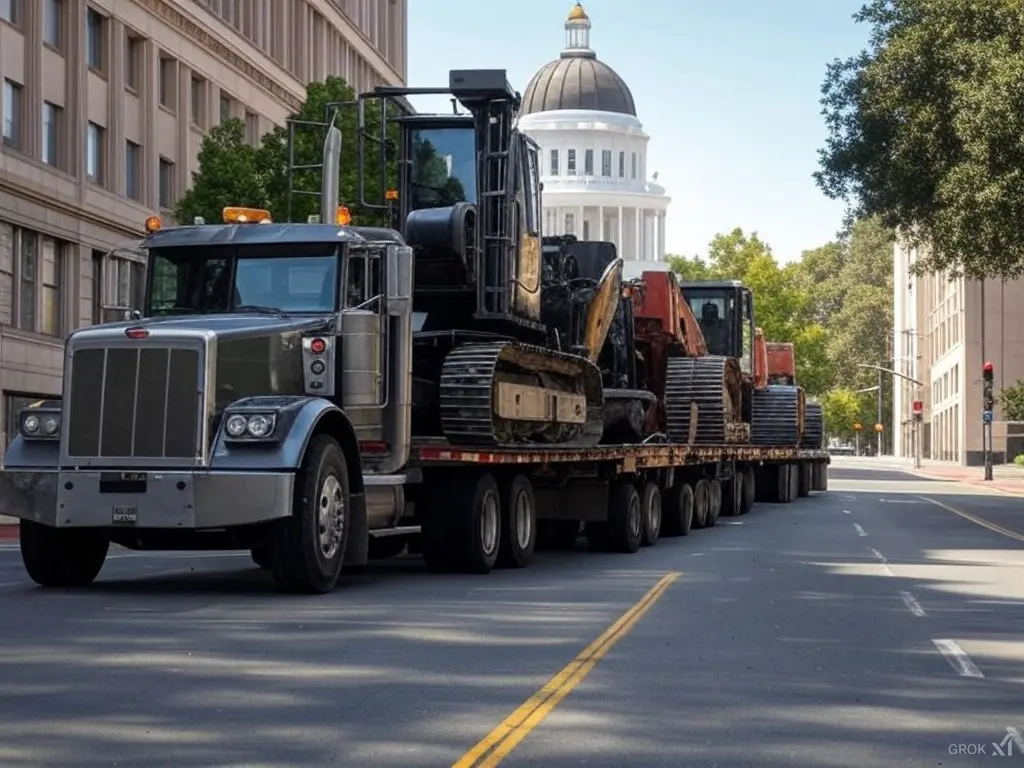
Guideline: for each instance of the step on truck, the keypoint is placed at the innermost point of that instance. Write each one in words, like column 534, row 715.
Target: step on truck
column 327, row 392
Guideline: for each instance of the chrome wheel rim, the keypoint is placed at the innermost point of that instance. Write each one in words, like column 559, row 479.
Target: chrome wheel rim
column 524, row 522
column 330, row 516
column 489, row 524
column 635, row 517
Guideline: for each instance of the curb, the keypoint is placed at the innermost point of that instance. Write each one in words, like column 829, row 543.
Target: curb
column 991, row 485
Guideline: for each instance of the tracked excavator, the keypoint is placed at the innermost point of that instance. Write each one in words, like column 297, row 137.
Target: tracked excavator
column 487, row 369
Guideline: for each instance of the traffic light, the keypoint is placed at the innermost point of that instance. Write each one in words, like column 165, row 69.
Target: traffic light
column 988, row 397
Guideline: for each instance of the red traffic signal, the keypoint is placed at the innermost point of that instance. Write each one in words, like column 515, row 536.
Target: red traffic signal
column 918, row 406
column 988, row 367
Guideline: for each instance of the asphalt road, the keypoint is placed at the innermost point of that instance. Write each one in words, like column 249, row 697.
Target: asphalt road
column 872, row 625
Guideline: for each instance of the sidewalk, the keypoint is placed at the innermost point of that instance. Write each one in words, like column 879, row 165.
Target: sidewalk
column 1008, row 478
column 8, row 528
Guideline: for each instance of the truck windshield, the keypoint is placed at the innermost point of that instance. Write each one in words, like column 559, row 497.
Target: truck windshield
column 219, row 279
column 443, row 170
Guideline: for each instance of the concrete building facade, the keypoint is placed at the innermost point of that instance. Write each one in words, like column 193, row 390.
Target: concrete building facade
column 938, row 340
column 104, row 104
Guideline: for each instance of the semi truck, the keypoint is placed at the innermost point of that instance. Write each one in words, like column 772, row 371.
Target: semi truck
column 324, row 393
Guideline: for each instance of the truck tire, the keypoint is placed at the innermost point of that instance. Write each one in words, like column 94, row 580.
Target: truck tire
column 714, row 501
column 309, row 546
column 677, row 510
column 700, row 503
column 625, row 518
column 475, row 533
column 651, row 506
column 749, row 490
column 804, row 484
column 61, row 557
column 518, row 524
column 732, row 496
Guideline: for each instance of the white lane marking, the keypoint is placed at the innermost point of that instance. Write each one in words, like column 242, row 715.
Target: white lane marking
column 846, row 511
column 912, row 604
column 848, row 496
column 957, row 658
column 882, row 561
column 860, row 531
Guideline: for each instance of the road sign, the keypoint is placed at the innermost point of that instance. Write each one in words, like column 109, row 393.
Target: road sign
column 879, row 428
column 986, row 416
column 858, row 426
column 918, row 406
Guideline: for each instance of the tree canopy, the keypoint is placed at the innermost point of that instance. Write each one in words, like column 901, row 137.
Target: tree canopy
column 924, row 131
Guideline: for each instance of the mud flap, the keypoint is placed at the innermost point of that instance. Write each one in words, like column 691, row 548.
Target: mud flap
column 357, row 549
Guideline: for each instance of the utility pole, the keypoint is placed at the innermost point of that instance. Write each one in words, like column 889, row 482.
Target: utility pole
column 988, row 401
column 878, row 431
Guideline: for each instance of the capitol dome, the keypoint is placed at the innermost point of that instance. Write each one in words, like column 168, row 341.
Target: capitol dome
column 593, row 159
column 578, row 79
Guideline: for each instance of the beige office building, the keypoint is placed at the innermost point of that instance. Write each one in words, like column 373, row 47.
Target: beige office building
column 937, row 340
column 104, row 106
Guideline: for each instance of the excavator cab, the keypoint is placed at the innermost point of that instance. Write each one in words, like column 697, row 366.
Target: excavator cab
column 725, row 312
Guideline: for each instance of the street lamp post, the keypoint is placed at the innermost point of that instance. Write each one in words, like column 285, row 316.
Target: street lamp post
column 917, row 422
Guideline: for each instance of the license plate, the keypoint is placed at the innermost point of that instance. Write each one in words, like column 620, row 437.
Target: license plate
column 124, row 514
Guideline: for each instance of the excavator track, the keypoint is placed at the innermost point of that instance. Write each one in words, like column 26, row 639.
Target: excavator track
column 709, row 382
column 814, row 427
column 505, row 394
column 775, row 416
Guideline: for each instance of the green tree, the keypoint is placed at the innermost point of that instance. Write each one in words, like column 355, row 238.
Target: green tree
column 924, row 130
column 1011, row 400
column 690, row 268
column 841, row 409
column 229, row 174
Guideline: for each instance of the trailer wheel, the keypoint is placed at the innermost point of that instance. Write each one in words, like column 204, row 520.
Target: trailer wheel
column 677, row 510
column 476, row 526
column 309, row 546
column 652, row 514
column 714, row 501
column 61, row 557
column 518, row 525
column 749, row 490
column 701, row 503
column 625, row 519
column 732, row 495
column 804, row 482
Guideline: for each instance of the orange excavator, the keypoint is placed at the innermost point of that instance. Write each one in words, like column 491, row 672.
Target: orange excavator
column 782, row 371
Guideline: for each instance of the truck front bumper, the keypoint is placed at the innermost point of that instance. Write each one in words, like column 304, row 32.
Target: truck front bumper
column 184, row 500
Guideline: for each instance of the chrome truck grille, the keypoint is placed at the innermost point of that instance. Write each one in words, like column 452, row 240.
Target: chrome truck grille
column 134, row 402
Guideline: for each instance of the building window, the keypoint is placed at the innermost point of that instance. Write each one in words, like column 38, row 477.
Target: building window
column 53, row 18
column 53, row 265
column 570, row 222
column 198, row 101
column 132, row 170
column 633, row 161
column 12, row 114
column 168, row 82
column 133, row 47
column 622, row 165
column 606, row 162
column 588, row 163
column 10, row 11
column 166, row 183
column 252, row 128
column 225, row 107
column 554, row 162
column 94, row 29
column 94, row 153
column 570, row 162
column 51, row 133
column 27, row 283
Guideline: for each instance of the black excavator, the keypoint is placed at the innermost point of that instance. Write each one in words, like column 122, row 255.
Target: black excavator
column 488, row 370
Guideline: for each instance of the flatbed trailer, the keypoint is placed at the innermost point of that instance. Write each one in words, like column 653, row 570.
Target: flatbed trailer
column 477, row 508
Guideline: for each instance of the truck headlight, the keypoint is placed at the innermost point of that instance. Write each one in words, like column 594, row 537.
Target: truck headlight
column 243, row 427
column 40, row 425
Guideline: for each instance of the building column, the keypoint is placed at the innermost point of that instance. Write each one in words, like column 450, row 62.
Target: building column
column 579, row 223
column 618, row 243
column 600, row 226
column 637, row 240
column 661, row 234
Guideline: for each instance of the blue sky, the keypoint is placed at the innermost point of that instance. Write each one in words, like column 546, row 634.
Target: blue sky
column 728, row 90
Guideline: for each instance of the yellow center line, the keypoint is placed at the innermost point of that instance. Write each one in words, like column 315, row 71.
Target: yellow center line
column 497, row 744
column 978, row 521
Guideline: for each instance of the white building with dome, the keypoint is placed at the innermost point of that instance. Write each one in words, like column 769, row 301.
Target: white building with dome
column 594, row 153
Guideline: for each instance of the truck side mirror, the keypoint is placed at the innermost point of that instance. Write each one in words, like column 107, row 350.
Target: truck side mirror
column 399, row 270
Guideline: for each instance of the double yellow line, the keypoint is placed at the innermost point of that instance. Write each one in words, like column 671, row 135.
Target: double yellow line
column 977, row 520
column 495, row 746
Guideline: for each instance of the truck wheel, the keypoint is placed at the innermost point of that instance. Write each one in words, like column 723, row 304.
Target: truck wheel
column 652, row 514
column 677, row 510
column 700, row 503
column 749, row 490
column 804, row 484
column 61, row 557
column 518, row 525
column 732, row 496
column 309, row 546
column 476, row 526
column 714, row 501
column 625, row 518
